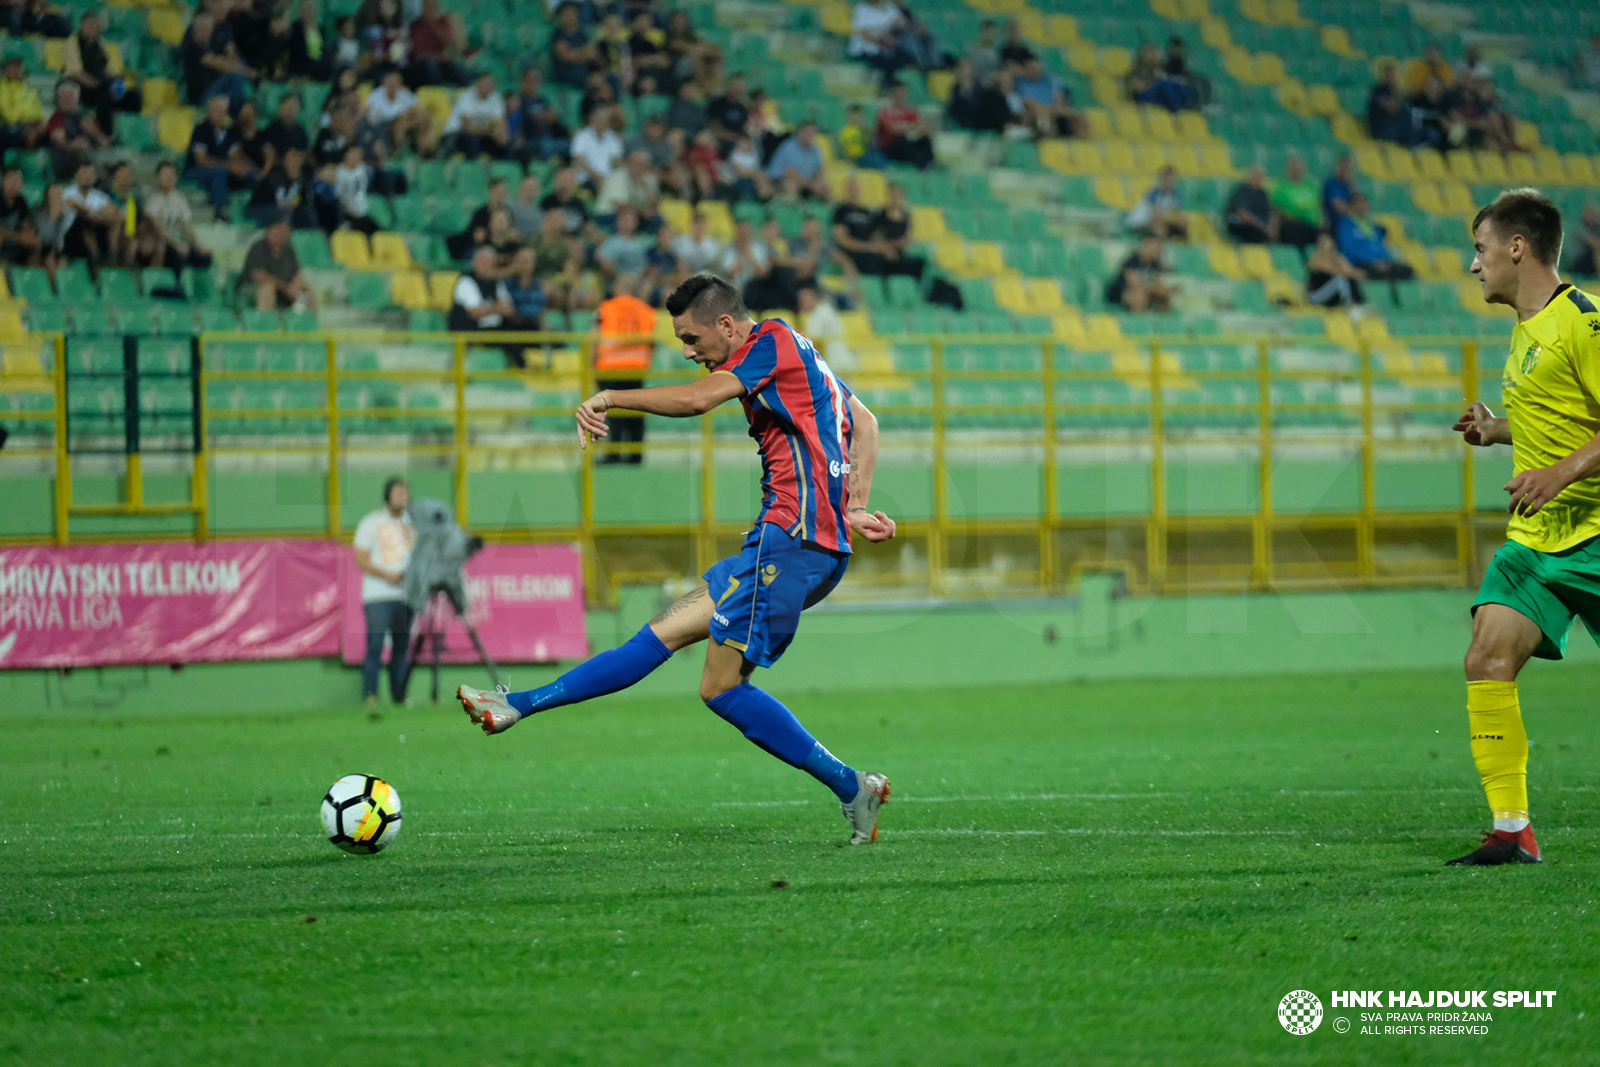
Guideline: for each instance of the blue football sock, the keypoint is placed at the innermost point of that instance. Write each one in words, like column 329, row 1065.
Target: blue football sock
column 763, row 719
column 606, row 673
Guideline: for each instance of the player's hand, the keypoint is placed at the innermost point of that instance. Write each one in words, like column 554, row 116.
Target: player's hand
column 1533, row 489
column 873, row 525
column 592, row 419
column 1479, row 426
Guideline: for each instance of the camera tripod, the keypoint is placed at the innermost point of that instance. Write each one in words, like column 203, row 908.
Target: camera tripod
column 430, row 627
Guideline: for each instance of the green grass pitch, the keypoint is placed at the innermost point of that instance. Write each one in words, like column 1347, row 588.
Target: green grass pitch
column 1109, row 873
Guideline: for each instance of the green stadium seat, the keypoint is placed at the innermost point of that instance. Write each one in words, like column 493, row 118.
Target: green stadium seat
column 313, row 249
column 427, row 322
column 32, row 284
column 300, row 320
column 257, row 321
column 369, row 290
column 46, row 319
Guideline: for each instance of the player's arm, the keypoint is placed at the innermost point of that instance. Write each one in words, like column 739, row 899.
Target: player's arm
column 873, row 525
column 673, row 401
column 1482, row 427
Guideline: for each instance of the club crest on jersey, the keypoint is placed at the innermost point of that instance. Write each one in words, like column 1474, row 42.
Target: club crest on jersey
column 1530, row 358
column 769, row 574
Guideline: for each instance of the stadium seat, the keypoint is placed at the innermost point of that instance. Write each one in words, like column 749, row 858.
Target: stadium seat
column 351, row 248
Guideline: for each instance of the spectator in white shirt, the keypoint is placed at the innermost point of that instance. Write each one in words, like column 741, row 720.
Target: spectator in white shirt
column 875, row 30
column 170, row 211
column 597, row 147
column 350, row 182
column 91, row 216
column 477, row 125
column 394, row 108
column 821, row 322
column 697, row 250
column 383, row 543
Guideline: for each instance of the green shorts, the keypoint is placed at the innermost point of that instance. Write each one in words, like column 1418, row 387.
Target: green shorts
column 1549, row 588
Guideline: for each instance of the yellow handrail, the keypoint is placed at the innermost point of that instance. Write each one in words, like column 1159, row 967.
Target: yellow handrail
column 1044, row 421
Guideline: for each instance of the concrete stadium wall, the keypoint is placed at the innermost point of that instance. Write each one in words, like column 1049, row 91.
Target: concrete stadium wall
column 1095, row 635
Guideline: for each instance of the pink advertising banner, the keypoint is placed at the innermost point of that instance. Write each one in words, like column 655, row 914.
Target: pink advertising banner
column 526, row 602
column 100, row 605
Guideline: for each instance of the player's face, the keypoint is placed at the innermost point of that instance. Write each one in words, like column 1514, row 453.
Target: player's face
column 708, row 344
column 1493, row 265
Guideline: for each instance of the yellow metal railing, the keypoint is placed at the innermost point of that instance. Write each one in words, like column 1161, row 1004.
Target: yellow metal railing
column 1052, row 420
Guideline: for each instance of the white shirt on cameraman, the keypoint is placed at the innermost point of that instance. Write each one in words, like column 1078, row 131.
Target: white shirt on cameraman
column 387, row 539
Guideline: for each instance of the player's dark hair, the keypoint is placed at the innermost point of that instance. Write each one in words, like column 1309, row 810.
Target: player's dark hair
column 1530, row 213
column 388, row 487
column 707, row 298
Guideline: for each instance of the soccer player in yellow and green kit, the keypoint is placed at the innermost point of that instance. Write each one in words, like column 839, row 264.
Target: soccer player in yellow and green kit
column 1549, row 568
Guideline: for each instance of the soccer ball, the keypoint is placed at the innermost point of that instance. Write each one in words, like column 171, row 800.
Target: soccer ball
column 361, row 814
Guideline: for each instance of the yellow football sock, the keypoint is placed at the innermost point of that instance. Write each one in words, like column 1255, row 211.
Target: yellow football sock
column 1499, row 746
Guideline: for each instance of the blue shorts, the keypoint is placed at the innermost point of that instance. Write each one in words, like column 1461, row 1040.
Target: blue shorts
column 758, row 595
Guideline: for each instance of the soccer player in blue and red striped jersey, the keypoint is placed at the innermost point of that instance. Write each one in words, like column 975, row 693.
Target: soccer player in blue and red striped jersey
column 819, row 447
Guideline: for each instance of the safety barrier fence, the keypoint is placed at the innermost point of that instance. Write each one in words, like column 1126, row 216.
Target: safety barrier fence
column 450, row 400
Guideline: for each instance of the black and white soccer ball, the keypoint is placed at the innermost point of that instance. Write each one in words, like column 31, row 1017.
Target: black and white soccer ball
column 361, row 814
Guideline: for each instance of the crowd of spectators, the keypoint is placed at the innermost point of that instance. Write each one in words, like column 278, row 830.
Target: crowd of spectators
column 1003, row 87
column 1439, row 106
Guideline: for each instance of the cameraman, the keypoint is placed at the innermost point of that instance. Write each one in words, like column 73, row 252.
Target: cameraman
column 383, row 544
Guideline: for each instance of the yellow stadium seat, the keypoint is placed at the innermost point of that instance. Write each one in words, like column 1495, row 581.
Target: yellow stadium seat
column 1102, row 329
column 874, row 187
column 1402, row 167
column 1431, row 365
column 1068, row 326
column 1149, row 156
column 1010, row 293
column 679, row 214
column 1119, row 157
column 11, row 328
column 54, row 47
column 1369, row 160
column 350, row 247
column 1044, row 296
column 857, row 326
column 1492, row 167
column 1292, row 95
column 1184, row 159
column 1269, row 68
column 1528, row 134
column 1282, row 289
column 1086, row 157
column 166, row 24
column 1547, row 162
column 1520, row 168
column 927, row 223
column 1323, row 100
column 1053, row 154
column 442, row 288
column 159, row 94
column 1472, row 297
column 1158, row 124
column 1127, row 122
column 950, row 252
column 835, row 19
column 1372, row 329
column 1448, row 264
column 1336, row 39
column 1430, row 164
column 1462, row 166
column 1457, row 198
column 1255, row 261
column 389, row 252
column 1579, row 170
column 1225, row 260
column 1339, row 330
column 1099, row 121
column 940, row 83
column 719, row 220
column 1112, row 191
column 1285, row 12
column 1061, row 30
column 1115, row 61
column 1214, row 30
column 1192, row 124
column 1215, row 160
column 1104, row 89
column 1425, row 194
column 1397, row 363
column 1081, row 58
column 436, row 102
column 984, row 257
column 409, row 289
column 175, row 128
